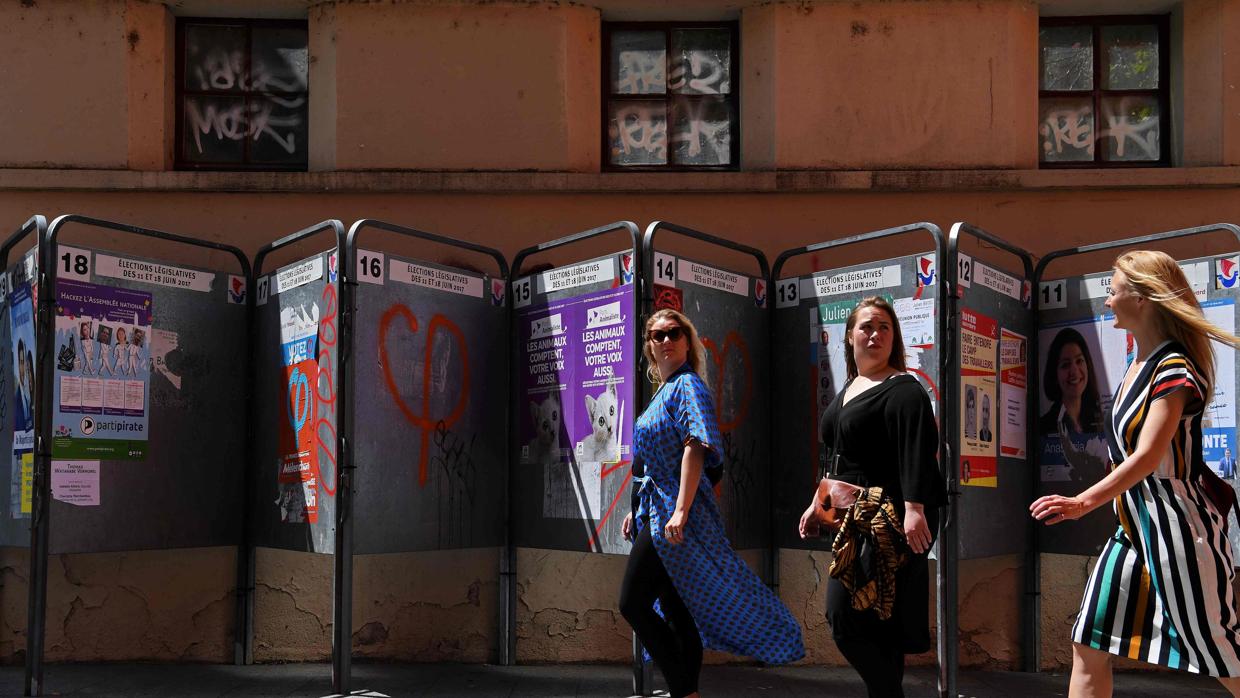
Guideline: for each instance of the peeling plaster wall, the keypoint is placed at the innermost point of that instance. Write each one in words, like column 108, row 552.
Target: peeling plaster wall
column 172, row 606
column 439, row 606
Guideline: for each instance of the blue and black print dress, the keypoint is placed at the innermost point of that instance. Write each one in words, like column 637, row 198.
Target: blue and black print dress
column 734, row 611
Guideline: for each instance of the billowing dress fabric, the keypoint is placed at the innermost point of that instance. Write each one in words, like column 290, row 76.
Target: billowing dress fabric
column 1162, row 590
column 734, row 611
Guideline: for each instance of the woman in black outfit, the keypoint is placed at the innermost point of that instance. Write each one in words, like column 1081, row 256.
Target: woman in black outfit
column 886, row 438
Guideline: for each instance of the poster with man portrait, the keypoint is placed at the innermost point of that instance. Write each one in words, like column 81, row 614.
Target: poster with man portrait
column 979, row 362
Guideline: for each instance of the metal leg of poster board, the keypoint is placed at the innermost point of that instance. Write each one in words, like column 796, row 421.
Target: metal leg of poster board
column 1033, row 634
column 342, row 552
column 36, row 601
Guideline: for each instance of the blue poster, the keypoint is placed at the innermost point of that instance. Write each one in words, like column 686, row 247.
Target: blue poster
column 1219, row 447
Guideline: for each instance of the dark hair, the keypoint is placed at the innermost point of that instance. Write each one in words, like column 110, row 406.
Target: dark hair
column 1091, row 402
column 896, row 360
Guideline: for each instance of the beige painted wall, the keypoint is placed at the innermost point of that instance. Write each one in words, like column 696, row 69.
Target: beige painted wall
column 62, row 66
column 443, row 87
column 906, row 85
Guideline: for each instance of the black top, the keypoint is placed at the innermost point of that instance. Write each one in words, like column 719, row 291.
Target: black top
column 888, row 439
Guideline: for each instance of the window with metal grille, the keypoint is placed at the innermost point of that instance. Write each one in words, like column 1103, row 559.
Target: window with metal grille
column 670, row 96
column 242, row 94
column 1103, row 92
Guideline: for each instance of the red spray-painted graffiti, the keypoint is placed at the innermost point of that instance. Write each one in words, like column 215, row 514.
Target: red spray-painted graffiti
column 325, row 403
column 426, row 423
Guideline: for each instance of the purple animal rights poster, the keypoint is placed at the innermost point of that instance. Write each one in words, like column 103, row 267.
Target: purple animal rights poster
column 578, row 387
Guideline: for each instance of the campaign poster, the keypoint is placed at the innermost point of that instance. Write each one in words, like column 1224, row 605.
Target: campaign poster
column 577, row 375
column 102, row 372
column 979, row 341
column 21, row 315
column 1083, row 365
column 1013, row 386
column 299, row 332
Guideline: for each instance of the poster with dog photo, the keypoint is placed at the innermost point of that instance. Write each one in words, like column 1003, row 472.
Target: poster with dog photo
column 576, row 413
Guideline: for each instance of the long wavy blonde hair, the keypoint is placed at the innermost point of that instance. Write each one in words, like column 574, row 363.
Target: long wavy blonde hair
column 697, row 351
column 1157, row 277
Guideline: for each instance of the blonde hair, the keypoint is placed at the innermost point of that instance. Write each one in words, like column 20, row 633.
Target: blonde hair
column 697, row 351
column 1157, row 277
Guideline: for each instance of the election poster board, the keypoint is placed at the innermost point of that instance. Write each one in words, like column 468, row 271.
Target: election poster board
column 17, row 381
column 994, row 321
column 731, row 313
column 429, row 379
column 296, row 347
column 1084, row 358
column 809, row 364
column 149, row 365
column 576, row 397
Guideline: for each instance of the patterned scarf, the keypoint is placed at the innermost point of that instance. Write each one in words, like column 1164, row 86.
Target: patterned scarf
column 872, row 520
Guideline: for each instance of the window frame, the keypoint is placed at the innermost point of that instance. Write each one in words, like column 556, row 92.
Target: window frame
column 180, row 92
column 733, row 97
column 1162, row 93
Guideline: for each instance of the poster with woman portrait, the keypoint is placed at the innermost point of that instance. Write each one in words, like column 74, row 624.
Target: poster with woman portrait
column 1083, row 364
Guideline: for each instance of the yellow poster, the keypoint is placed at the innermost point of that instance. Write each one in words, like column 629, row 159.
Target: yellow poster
column 27, row 481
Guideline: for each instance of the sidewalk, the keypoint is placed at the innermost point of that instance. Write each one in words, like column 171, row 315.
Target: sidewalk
column 564, row 681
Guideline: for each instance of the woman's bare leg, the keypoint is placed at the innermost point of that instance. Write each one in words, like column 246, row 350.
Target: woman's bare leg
column 1091, row 673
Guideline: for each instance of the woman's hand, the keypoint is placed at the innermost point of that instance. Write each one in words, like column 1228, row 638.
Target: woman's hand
column 674, row 530
column 916, row 529
column 1056, row 508
column 809, row 521
column 626, row 528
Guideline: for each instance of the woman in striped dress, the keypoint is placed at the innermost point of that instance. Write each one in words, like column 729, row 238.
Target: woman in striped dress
column 1162, row 590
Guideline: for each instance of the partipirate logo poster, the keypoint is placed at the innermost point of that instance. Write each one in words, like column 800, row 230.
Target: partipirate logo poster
column 979, row 339
column 102, row 372
column 299, row 328
column 577, row 371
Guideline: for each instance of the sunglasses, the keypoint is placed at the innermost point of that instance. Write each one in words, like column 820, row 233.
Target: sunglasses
column 657, row 336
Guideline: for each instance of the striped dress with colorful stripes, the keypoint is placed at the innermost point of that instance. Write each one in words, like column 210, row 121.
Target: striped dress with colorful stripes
column 1162, row 590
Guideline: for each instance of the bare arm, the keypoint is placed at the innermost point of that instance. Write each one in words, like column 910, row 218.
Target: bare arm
column 1156, row 434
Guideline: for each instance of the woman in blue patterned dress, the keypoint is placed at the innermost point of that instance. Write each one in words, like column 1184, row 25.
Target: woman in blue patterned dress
column 1162, row 589
column 681, row 558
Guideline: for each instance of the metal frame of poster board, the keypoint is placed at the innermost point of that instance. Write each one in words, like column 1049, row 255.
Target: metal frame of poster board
column 642, row 677
column 648, row 300
column 508, row 572
column 45, row 370
column 1034, row 638
column 947, row 562
column 348, row 427
column 15, row 532
column 342, row 577
column 1007, row 502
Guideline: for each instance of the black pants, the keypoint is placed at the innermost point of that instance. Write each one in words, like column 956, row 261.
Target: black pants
column 876, row 648
column 674, row 643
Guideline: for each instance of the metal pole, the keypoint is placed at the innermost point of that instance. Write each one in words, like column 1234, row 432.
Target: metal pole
column 36, row 612
column 342, row 588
